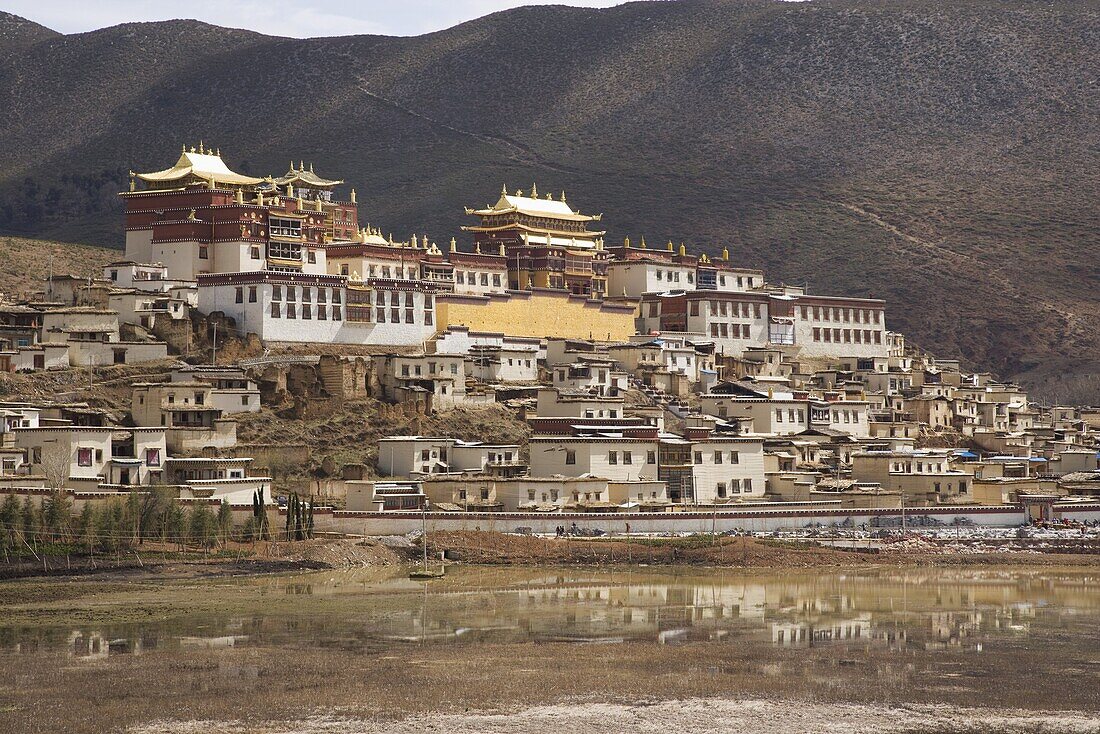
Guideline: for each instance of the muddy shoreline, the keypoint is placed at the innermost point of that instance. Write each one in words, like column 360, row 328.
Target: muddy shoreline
column 480, row 548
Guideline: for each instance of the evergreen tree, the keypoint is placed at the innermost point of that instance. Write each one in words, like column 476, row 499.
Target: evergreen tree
column 31, row 523
column 85, row 527
column 225, row 521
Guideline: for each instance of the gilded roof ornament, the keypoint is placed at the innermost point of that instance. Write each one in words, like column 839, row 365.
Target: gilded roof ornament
column 477, row 248
column 626, row 243
column 534, row 191
column 643, row 242
column 563, row 196
column 669, row 246
column 454, row 245
column 683, row 249
column 725, row 253
column 503, row 190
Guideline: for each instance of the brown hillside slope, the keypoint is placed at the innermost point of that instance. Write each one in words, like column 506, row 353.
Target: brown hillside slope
column 25, row 263
column 942, row 156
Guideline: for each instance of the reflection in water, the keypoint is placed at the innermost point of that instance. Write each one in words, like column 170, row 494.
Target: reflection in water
column 898, row 610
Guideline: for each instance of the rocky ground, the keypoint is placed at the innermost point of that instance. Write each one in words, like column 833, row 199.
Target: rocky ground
column 690, row 716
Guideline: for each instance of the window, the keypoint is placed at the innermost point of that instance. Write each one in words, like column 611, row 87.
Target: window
column 627, row 458
column 291, row 293
column 204, row 252
column 322, row 312
column 254, row 253
column 570, row 457
column 698, row 457
column 721, row 490
column 251, row 294
column 276, row 293
column 83, row 457
column 651, row 457
column 717, row 457
column 778, row 415
column 152, row 457
column 735, row 458
column 291, row 311
column 238, row 295
column 244, row 400
column 748, row 485
column 312, row 256
column 612, row 457
column 336, row 316
column 307, row 311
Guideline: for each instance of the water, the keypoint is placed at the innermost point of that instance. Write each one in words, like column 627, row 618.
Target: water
column 903, row 611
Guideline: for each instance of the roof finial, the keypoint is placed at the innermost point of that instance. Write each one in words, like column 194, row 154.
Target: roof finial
column 425, row 242
column 626, row 243
column 502, row 249
column 504, row 190
column 292, row 165
column 563, row 196
column 311, row 166
column 683, row 249
column 669, row 246
column 202, row 148
column 301, row 165
column 725, row 253
column 183, row 148
column 534, row 191
column 643, row 241
column 477, row 248
column 353, row 201
column 454, row 245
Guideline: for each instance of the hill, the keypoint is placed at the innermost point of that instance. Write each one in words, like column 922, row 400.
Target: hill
column 942, row 156
column 25, row 263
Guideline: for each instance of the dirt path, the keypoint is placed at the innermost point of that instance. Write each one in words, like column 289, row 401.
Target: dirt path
column 687, row 716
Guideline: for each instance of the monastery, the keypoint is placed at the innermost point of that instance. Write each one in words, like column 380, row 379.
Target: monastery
column 655, row 382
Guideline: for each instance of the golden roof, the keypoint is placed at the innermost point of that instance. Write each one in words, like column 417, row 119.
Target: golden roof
column 533, row 206
column 207, row 166
column 305, row 178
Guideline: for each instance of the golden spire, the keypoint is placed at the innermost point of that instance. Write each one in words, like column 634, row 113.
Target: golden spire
column 240, row 195
column 477, row 248
column 549, row 196
column 290, row 190
column 425, row 242
column 504, row 189
column 534, row 191
column 132, row 174
column 683, row 249
column 301, row 165
column 626, row 243
column 454, row 245
column 192, row 149
column 353, row 201
column 519, row 192
column 643, row 242
column 563, row 196
column 292, row 165
column 202, row 148
column 669, row 246
column 218, row 152
column 725, row 253
column 502, row 249
column 311, row 166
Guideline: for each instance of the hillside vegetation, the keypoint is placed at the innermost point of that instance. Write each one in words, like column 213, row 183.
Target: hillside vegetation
column 943, row 156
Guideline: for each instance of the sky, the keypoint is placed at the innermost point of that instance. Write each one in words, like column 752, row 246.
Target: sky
column 297, row 18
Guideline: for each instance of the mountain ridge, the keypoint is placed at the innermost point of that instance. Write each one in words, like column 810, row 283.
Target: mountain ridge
column 942, row 157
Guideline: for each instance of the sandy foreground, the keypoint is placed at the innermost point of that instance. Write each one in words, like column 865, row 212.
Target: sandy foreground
column 692, row 715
